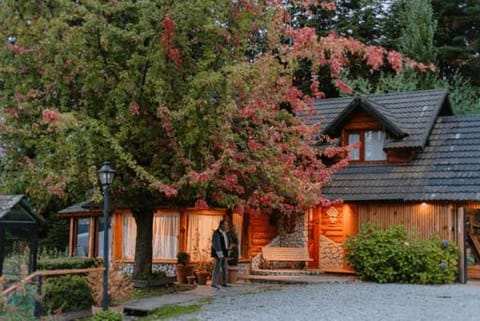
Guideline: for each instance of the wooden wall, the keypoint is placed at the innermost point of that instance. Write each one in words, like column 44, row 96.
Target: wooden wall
column 426, row 218
column 260, row 233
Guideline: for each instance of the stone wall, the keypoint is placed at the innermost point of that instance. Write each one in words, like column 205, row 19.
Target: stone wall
column 330, row 254
column 298, row 238
column 168, row 268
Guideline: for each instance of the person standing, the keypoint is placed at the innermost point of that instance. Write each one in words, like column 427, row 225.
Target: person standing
column 220, row 253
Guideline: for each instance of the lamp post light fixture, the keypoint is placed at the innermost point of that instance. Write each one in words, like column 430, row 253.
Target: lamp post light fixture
column 105, row 175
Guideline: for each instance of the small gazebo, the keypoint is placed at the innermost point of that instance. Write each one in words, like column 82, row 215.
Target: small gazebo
column 20, row 220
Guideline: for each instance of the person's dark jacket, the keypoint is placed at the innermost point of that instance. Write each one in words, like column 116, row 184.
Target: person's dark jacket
column 218, row 244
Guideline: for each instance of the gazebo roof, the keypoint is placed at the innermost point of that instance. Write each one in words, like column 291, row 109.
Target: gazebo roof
column 14, row 210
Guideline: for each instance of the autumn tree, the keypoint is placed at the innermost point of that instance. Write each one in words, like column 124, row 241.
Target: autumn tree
column 193, row 102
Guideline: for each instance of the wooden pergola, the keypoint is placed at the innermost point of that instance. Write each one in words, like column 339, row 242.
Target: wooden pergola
column 19, row 219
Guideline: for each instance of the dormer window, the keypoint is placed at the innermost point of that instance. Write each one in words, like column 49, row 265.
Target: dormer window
column 371, row 145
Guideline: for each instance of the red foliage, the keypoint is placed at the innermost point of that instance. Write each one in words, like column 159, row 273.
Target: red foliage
column 328, row 6
column 375, row 57
column 50, row 116
column 395, row 60
column 134, row 108
column 201, row 204
column 175, row 55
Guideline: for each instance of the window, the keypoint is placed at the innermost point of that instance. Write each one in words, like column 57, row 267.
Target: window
column 101, row 228
column 199, row 235
column 173, row 231
column 371, row 145
column 166, row 227
column 82, row 237
column 165, row 235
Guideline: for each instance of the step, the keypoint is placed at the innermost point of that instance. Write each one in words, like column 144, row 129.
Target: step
column 285, row 272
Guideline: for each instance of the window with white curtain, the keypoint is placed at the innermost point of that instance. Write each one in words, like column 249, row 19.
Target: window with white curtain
column 200, row 230
column 166, row 227
column 237, row 225
column 354, row 138
column 374, row 141
column 129, row 235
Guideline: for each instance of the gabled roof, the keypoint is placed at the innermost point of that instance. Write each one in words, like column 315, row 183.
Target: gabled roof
column 407, row 116
column 14, row 209
column 378, row 111
column 83, row 207
column 448, row 169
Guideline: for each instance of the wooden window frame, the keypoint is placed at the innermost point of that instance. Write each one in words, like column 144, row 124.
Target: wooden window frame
column 361, row 149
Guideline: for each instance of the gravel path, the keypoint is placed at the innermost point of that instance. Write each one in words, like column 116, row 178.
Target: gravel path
column 358, row 301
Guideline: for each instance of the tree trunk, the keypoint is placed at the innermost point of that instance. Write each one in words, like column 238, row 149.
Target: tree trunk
column 143, row 245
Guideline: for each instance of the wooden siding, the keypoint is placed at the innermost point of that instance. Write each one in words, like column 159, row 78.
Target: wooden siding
column 260, row 233
column 425, row 218
column 362, row 121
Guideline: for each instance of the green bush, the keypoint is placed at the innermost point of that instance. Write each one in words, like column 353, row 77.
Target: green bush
column 68, row 293
column 392, row 255
column 107, row 316
column 63, row 263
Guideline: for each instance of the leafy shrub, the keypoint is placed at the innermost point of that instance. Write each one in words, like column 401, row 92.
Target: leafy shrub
column 63, row 263
column 68, row 293
column 19, row 306
column 107, row 316
column 393, row 256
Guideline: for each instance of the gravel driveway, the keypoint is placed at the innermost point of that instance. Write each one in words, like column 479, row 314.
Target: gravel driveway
column 358, row 301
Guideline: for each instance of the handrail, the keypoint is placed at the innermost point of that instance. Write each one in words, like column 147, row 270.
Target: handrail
column 49, row 273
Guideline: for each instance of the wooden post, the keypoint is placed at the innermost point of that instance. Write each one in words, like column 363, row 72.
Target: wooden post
column 38, row 308
column 32, row 266
column 462, row 268
column 2, row 247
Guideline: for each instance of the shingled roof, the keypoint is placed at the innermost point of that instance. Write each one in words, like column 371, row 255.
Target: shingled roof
column 448, row 168
column 407, row 116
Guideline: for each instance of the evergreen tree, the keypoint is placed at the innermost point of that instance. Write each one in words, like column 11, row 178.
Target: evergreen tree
column 417, row 31
column 458, row 38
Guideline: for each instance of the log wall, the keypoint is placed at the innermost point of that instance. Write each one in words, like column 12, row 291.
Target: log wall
column 425, row 218
column 260, row 233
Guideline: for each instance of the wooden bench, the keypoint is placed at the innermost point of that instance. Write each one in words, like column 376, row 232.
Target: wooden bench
column 286, row 254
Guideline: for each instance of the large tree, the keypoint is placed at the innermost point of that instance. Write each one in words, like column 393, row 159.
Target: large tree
column 458, row 38
column 193, row 102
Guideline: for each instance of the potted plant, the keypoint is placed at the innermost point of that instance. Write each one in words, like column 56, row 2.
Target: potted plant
column 183, row 267
column 203, row 271
column 120, row 287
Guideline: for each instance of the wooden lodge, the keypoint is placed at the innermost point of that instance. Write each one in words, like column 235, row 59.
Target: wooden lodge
column 416, row 165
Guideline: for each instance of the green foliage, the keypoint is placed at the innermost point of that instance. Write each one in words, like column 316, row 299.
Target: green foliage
column 68, row 293
column 19, row 306
column 392, row 255
column 107, row 316
column 417, row 30
column 67, row 263
column 171, row 311
column 183, row 258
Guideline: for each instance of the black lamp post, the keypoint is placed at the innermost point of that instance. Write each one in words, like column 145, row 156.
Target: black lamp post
column 105, row 174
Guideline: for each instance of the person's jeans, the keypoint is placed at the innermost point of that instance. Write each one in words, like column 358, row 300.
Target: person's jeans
column 219, row 264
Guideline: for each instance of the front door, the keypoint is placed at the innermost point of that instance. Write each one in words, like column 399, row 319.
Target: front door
column 328, row 229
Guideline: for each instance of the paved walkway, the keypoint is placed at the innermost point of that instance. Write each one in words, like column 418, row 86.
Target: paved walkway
column 249, row 284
